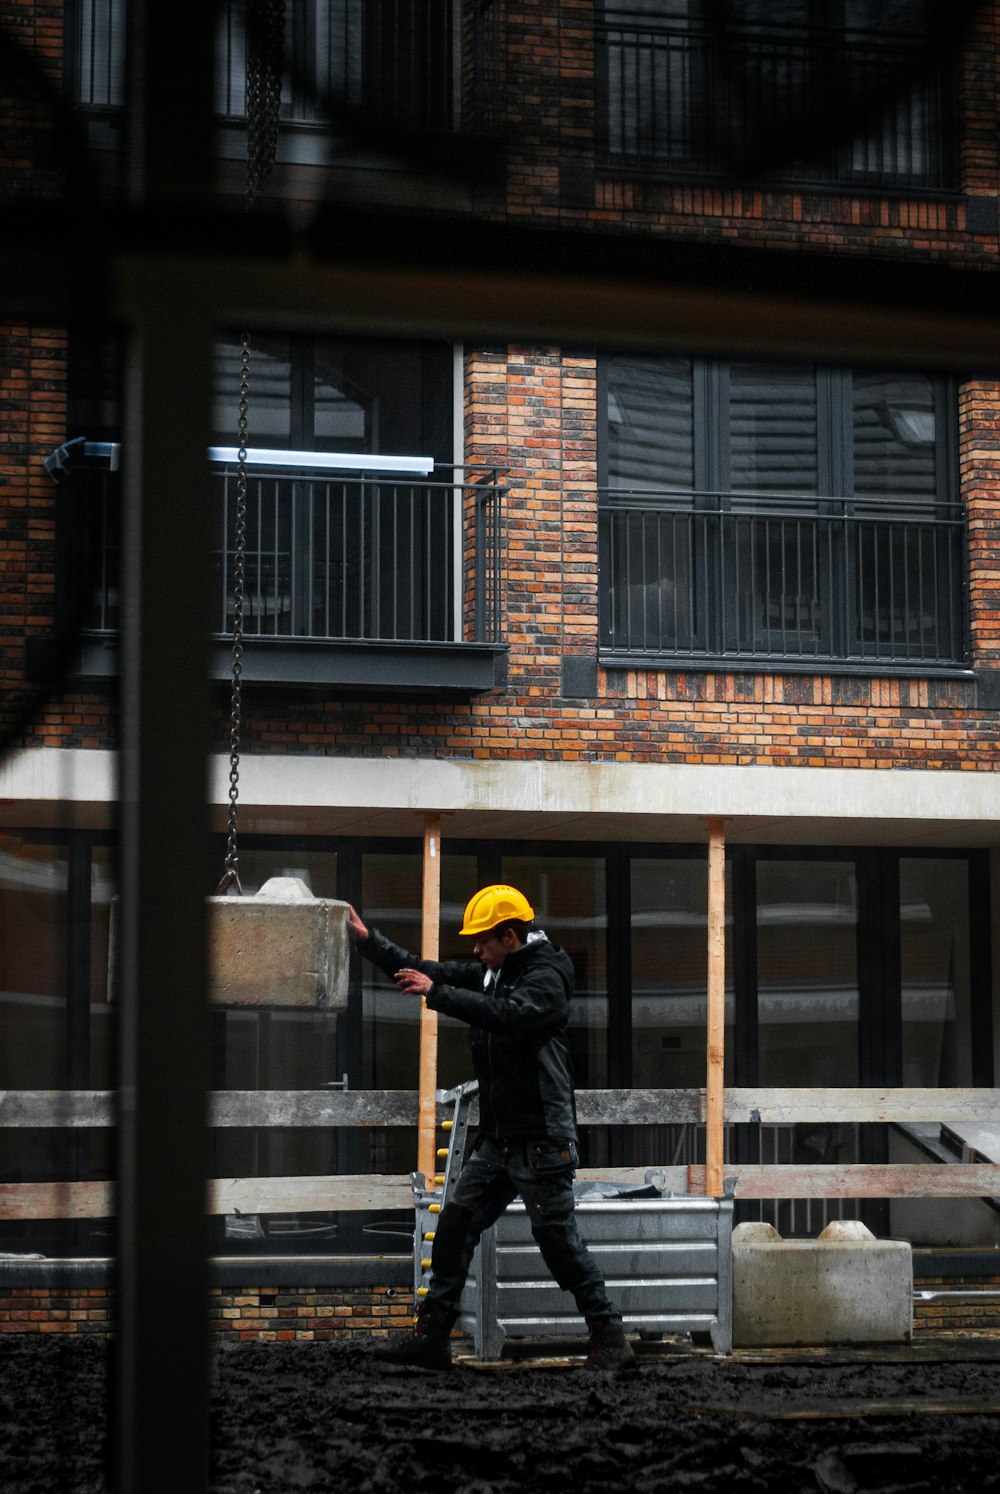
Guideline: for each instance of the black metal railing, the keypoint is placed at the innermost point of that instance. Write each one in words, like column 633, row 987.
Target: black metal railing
column 679, row 99
column 350, row 557
column 819, row 581
column 397, row 63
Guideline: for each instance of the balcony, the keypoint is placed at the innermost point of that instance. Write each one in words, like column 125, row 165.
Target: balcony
column 357, row 75
column 793, row 584
column 360, row 572
column 680, row 100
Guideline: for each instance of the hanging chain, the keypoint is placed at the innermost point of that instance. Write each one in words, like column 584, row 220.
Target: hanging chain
column 231, row 876
column 265, row 32
column 265, row 27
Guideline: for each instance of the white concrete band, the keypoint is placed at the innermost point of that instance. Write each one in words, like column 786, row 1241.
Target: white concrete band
column 548, row 789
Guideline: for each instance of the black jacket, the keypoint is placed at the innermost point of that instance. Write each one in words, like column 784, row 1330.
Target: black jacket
column 519, row 1048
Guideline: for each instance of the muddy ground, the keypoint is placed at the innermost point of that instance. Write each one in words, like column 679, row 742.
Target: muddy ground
column 325, row 1416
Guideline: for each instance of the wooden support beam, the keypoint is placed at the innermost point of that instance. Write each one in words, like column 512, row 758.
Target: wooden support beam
column 85, row 1108
column 368, row 1191
column 715, row 1077
column 861, row 1180
column 430, row 942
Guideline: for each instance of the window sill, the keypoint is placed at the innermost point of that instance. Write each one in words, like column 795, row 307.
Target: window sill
column 736, row 664
column 398, row 668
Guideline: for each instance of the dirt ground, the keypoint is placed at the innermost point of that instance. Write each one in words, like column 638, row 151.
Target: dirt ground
column 326, row 1416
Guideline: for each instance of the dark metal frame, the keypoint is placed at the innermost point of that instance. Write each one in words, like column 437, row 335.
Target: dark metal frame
column 722, row 105
column 879, row 1057
column 767, row 546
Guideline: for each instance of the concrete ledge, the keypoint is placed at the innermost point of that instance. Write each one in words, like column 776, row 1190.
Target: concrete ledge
column 846, row 1287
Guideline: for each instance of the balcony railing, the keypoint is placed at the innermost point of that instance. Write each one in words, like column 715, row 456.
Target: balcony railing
column 396, row 65
column 333, row 559
column 675, row 99
column 807, row 582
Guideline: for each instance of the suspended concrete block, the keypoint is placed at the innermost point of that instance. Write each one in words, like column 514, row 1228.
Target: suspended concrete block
column 281, row 947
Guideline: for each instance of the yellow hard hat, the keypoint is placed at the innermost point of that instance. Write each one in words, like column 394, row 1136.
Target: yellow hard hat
column 493, row 905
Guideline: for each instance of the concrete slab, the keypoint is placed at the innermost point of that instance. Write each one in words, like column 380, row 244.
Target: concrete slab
column 281, row 947
column 846, row 1287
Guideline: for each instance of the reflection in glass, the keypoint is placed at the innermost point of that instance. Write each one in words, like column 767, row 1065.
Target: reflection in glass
column 808, row 1015
column 392, row 901
column 934, row 960
column 669, row 1003
column 568, row 896
column 272, row 1049
column 33, row 910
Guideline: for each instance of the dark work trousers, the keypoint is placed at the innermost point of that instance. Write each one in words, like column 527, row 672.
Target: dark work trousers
column 542, row 1173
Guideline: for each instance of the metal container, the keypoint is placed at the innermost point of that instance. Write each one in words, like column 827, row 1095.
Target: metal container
column 666, row 1259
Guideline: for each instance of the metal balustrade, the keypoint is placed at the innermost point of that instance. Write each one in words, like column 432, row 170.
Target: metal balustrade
column 396, row 64
column 689, row 100
column 818, row 581
column 351, row 557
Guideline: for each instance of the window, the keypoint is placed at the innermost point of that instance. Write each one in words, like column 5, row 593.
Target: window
column 334, row 555
column 844, row 968
column 768, row 511
column 388, row 62
column 776, row 91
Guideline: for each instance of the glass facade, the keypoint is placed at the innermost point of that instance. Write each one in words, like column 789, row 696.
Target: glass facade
column 855, row 968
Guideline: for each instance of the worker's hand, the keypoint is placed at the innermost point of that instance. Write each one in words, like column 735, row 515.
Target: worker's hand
column 355, row 928
column 413, row 982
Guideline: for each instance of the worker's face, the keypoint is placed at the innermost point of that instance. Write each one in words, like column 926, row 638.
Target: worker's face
column 492, row 950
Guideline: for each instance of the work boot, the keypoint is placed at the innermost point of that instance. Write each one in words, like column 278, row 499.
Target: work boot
column 609, row 1348
column 426, row 1346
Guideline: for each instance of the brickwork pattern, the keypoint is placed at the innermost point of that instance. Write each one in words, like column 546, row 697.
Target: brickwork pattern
column 968, row 1313
column 304, row 1314
column 533, row 411
column 267, row 1314
column 86, row 1310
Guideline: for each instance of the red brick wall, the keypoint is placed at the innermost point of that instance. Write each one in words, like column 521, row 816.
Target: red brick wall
column 535, row 413
column 54, row 1310
column 250, row 1312
column 967, row 1312
column 550, row 123
column 303, row 1314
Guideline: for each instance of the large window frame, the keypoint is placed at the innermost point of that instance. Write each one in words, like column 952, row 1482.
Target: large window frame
column 824, row 560
column 356, row 74
column 348, row 1051
column 683, row 94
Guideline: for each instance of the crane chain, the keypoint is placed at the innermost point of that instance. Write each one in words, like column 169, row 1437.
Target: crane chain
column 265, row 27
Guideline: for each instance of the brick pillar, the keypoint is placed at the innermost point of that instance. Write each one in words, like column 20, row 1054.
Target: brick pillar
column 979, row 414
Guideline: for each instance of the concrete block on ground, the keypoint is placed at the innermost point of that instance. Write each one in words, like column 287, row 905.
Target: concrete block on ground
column 846, row 1287
column 281, row 947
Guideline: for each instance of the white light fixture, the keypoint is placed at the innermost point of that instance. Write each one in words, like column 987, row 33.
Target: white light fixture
column 325, row 461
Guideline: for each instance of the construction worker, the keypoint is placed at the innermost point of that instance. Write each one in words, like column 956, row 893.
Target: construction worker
column 515, row 997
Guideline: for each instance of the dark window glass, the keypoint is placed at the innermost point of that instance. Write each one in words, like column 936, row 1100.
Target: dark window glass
column 780, row 511
column 339, row 395
column 895, row 434
column 650, row 413
column 271, row 1049
column 392, row 62
column 570, row 903
column 808, row 1013
column 669, row 958
column 773, row 428
column 775, row 92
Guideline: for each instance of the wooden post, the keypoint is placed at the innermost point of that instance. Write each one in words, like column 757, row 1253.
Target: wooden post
column 429, row 947
column 715, row 1078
